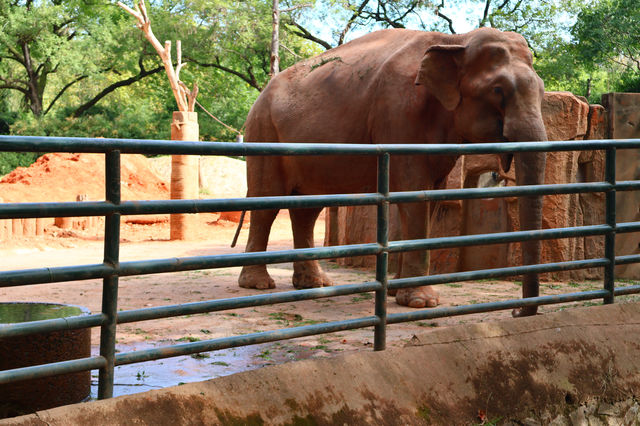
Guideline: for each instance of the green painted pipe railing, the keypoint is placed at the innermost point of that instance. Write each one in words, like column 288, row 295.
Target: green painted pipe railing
column 111, row 268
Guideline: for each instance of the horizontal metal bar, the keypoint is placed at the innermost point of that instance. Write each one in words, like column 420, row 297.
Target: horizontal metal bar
column 61, row 209
column 627, row 185
column 47, row 326
column 53, row 369
column 493, row 306
column 53, row 275
column 241, row 259
column 244, row 340
column 625, row 227
column 496, row 238
column 244, row 302
column 101, row 208
column 139, row 146
column 626, row 290
column 144, row 146
column 155, row 266
column 496, row 273
column 497, row 192
column 628, row 259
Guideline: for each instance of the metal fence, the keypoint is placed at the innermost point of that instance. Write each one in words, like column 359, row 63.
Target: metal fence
column 111, row 269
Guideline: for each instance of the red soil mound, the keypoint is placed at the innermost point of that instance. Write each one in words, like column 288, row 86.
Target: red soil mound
column 62, row 177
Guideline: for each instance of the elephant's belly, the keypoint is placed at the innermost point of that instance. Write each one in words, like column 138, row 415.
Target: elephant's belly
column 308, row 175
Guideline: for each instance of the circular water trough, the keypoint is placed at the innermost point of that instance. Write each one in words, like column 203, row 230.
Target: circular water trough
column 27, row 396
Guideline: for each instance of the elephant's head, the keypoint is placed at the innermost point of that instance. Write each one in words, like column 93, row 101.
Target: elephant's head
column 489, row 84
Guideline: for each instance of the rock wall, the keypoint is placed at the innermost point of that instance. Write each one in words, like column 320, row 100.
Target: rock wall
column 623, row 111
column 566, row 117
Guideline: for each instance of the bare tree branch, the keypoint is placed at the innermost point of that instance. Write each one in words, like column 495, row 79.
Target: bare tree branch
column 14, row 87
column 60, row 93
column 143, row 73
column 485, row 14
column 292, row 8
column 356, row 14
column 11, row 81
column 248, row 78
column 503, row 5
column 289, row 50
column 445, row 17
column 304, row 33
column 144, row 24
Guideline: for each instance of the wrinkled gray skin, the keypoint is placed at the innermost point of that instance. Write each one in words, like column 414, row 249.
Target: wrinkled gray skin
column 394, row 86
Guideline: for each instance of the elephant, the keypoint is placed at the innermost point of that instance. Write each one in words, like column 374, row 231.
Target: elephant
column 394, row 86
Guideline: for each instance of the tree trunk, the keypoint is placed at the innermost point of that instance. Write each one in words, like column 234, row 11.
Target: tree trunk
column 275, row 40
column 34, row 96
column 184, row 175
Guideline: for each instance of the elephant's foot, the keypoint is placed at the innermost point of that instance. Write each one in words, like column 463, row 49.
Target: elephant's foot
column 256, row 276
column 418, row 297
column 525, row 311
column 310, row 278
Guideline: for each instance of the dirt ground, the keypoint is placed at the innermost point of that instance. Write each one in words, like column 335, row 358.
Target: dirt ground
column 151, row 241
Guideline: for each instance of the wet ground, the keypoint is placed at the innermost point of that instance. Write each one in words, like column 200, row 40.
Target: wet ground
column 142, row 377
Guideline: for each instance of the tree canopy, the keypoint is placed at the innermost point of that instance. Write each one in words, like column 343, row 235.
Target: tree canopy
column 82, row 68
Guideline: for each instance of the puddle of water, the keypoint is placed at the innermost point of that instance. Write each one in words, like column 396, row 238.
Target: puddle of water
column 162, row 373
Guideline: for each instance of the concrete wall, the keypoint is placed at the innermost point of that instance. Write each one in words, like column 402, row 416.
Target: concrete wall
column 529, row 370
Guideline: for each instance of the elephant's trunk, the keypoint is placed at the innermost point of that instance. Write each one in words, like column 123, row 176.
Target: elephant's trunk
column 530, row 167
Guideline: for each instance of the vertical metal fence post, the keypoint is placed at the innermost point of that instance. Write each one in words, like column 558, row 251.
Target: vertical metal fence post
column 610, row 215
column 110, row 283
column 382, row 259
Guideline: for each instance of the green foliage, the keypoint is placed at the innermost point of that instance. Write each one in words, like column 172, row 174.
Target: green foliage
column 11, row 160
column 225, row 46
column 608, row 30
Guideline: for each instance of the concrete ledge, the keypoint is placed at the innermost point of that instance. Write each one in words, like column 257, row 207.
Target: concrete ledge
column 510, row 369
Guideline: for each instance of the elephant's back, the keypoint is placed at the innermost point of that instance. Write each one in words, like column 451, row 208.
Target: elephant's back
column 328, row 98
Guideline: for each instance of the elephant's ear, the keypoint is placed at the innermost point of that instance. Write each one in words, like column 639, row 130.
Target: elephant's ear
column 439, row 73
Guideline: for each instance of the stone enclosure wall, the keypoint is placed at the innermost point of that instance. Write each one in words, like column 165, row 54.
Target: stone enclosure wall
column 566, row 117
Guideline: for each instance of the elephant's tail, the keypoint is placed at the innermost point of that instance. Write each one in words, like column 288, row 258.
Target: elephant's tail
column 235, row 237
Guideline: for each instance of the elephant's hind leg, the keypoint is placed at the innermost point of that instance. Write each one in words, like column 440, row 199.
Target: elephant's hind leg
column 256, row 276
column 308, row 273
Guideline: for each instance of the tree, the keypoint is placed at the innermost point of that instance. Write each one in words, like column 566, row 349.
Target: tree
column 347, row 16
column 30, row 53
column 238, row 37
column 537, row 21
column 73, row 42
column 600, row 52
column 609, row 31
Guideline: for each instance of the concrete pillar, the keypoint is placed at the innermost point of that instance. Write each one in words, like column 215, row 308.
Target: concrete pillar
column 29, row 227
column 40, row 225
column 184, row 175
column 16, row 227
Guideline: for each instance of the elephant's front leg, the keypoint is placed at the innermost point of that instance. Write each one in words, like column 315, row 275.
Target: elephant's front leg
column 413, row 220
column 308, row 273
column 256, row 276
